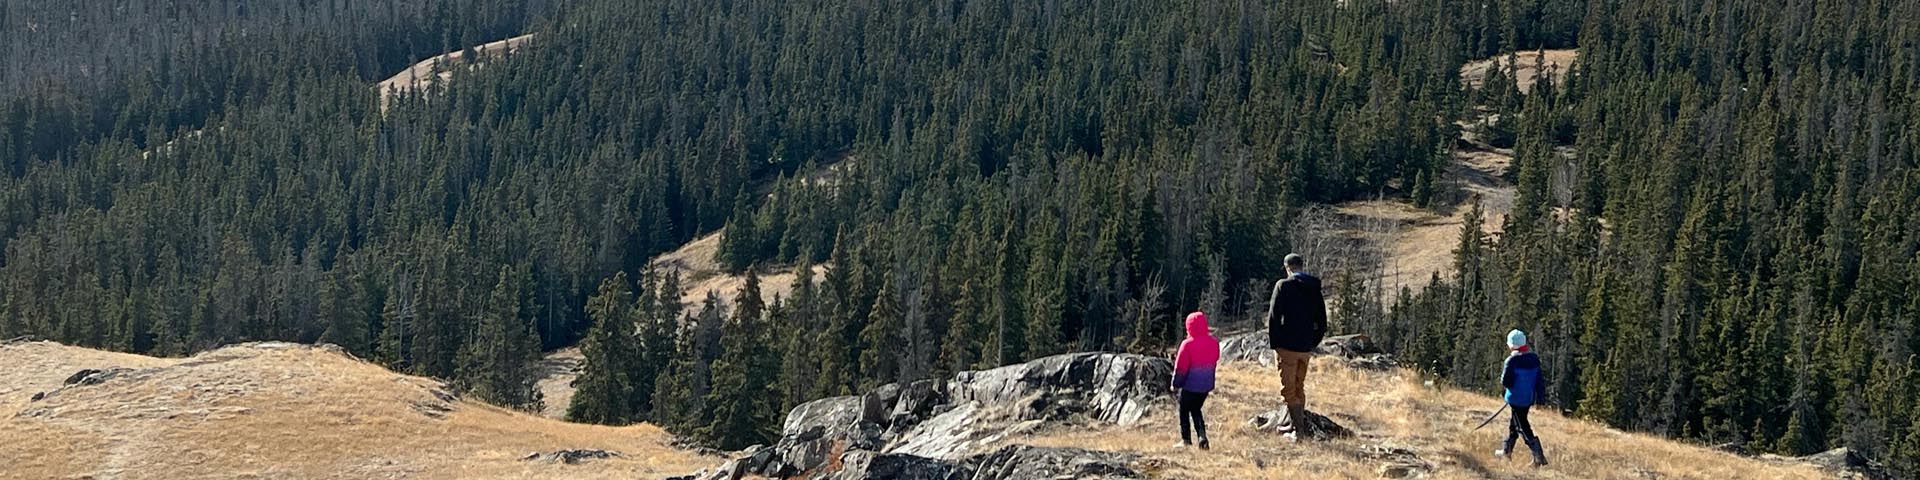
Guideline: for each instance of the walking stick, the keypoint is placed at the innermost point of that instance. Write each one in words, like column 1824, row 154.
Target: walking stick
column 1496, row 414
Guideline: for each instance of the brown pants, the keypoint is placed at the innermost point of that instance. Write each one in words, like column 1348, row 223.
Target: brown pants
column 1293, row 376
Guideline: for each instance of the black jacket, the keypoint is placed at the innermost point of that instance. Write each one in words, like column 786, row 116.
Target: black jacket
column 1297, row 314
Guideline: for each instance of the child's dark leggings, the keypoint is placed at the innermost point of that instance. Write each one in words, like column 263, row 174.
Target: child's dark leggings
column 1519, row 428
column 1190, row 403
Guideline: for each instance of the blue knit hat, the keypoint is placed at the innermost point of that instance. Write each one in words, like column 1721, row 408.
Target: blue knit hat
column 1516, row 339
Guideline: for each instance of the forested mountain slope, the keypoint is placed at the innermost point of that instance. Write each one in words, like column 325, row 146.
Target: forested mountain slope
column 1711, row 230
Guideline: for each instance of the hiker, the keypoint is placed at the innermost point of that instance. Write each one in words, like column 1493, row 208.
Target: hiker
column 1524, row 387
column 1296, row 322
column 1193, row 368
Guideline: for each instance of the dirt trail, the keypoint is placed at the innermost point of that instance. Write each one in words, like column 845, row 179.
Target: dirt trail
column 422, row 74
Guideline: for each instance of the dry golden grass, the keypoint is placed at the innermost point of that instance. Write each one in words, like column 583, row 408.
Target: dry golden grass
column 1421, row 243
column 421, row 74
column 694, row 262
column 557, row 372
column 1558, row 61
column 1396, row 409
column 283, row 411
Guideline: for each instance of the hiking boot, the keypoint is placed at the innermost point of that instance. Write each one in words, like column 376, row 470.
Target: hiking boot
column 1539, row 462
column 1204, row 445
column 1499, row 454
column 1181, row 445
column 1291, row 437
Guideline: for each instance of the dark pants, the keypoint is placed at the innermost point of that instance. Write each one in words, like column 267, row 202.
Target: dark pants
column 1190, row 403
column 1519, row 428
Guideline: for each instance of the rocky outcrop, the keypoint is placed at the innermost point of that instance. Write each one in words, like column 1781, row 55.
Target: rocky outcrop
column 898, row 427
column 1013, row 462
column 864, row 465
column 1110, row 387
column 987, row 406
column 571, row 456
column 1023, row 462
column 92, row 376
column 1843, row 462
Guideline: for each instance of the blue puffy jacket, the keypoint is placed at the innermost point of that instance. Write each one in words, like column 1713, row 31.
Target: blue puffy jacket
column 1522, row 379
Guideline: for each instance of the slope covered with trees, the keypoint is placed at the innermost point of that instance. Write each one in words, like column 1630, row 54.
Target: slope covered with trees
column 1714, row 232
column 1730, row 256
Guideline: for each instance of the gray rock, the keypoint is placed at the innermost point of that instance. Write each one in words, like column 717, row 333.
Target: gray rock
column 1114, row 387
column 1373, row 361
column 1843, row 462
column 918, row 401
column 92, row 376
column 1356, row 350
column 571, row 456
column 1025, row 462
column 990, row 405
column 829, row 414
column 1736, row 448
column 877, row 406
column 865, row 465
column 925, row 427
column 1247, row 347
column 1347, row 346
column 1316, row 426
column 1398, row 462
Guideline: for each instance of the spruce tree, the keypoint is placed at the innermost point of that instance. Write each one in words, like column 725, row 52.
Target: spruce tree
column 880, row 340
column 742, row 401
column 604, row 387
column 498, row 364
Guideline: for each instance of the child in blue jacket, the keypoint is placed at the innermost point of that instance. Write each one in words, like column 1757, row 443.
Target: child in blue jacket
column 1524, row 387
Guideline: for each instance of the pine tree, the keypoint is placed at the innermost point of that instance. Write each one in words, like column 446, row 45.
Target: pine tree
column 393, row 349
column 742, row 399
column 498, row 364
column 880, row 341
column 799, row 367
column 658, row 309
column 603, row 388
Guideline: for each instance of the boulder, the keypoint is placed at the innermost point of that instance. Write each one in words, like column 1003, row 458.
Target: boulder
column 1247, row 347
column 1026, row 462
column 877, row 406
column 917, row 402
column 1112, row 387
column 834, row 413
column 1316, row 426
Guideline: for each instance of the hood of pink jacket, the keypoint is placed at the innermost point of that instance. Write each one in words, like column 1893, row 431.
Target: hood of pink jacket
column 1197, row 325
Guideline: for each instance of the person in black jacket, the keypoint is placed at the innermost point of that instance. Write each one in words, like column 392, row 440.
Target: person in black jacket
column 1296, row 322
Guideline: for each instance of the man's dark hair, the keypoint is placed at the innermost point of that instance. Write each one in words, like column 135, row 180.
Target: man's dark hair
column 1295, row 261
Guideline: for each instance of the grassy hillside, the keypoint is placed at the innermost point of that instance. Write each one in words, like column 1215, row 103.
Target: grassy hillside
column 1395, row 413
column 294, row 411
column 276, row 410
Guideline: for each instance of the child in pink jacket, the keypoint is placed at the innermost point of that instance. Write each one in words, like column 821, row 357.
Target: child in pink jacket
column 1193, row 376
